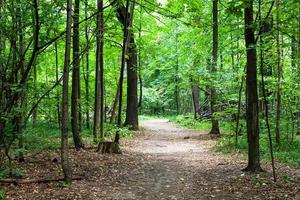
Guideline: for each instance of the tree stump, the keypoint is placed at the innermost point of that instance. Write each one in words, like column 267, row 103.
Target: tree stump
column 109, row 147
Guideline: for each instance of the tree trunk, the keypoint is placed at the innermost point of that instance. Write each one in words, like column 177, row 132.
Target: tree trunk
column 65, row 102
column 196, row 98
column 98, row 113
column 123, row 16
column 57, row 79
column 126, row 18
column 176, row 92
column 213, row 95
column 132, row 97
column 75, row 80
column 20, row 118
column 140, row 63
column 79, row 105
column 87, row 73
column 279, row 73
column 252, row 96
column 35, row 111
column 115, row 103
column 101, row 44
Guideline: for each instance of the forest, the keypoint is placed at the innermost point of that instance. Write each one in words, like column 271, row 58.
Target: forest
column 149, row 99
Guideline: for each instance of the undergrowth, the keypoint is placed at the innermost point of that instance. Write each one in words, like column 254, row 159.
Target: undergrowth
column 47, row 136
column 2, row 194
column 288, row 151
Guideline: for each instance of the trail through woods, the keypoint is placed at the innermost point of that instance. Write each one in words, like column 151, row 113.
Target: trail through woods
column 161, row 162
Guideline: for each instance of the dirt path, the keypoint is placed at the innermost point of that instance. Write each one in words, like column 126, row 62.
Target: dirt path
column 162, row 162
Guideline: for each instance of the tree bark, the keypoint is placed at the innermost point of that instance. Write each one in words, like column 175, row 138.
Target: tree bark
column 35, row 111
column 126, row 35
column 279, row 73
column 57, row 79
column 132, row 79
column 87, row 73
column 196, row 99
column 65, row 101
column 98, row 113
column 176, row 92
column 101, row 28
column 75, row 80
column 140, row 62
column 252, row 96
column 213, row 95
column 132, row 75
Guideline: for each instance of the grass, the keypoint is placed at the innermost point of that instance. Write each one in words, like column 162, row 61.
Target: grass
column 2, row 194
column 288, row 152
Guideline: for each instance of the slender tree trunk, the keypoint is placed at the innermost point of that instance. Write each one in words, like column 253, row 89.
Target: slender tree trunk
column 279, row 73
column 196, row 98
column 65, row 102
column 261, row 57
column 237, row 128
column 140, row 61
column 56, row 78
column 213, row 96
column 176, row 92
column 75, row 80
column 252, row 96
column 101, row 27
column 115, row 103
column 79, row 105
column 35, row 111
column 20, row 117
column 87, row 73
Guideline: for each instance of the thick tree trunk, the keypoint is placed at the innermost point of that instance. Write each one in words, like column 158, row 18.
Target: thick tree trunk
column 123, row 15
column 132, row 79
column 252, row 96
column 132, row 75
column 75, row 80
column 98, row 113
column 65, row 102
column 213, row 95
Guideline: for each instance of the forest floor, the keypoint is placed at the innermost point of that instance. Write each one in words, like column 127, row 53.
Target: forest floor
column 160, row 162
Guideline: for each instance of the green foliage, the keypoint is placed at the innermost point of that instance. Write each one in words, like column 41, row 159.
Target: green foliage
column 189, row 122
column 44, row 135
column 2, row 194
column 288, row 152
column 14, row 172
column 61, row 184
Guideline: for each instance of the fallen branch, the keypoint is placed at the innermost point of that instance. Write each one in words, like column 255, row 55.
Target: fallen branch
column 28, row 181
